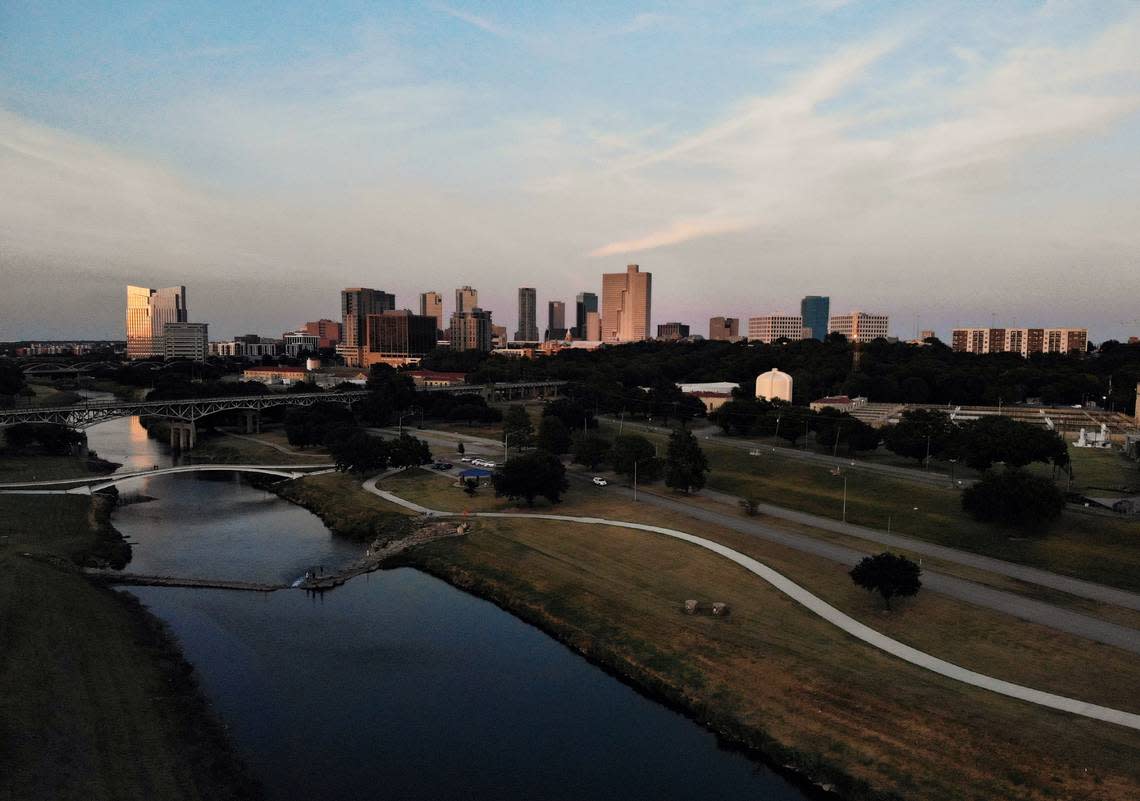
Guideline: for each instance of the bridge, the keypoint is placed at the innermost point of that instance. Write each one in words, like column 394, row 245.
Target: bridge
column 184, row 414
column 88, row 485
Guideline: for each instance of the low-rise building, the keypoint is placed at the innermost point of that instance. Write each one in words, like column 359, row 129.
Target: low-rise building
column 859, row 326
column 671, row 332
column 275, row 375
column 298, row 342
column 770, row 327
column 713, row 394
column 186, row 341
column 724, row 328
column 436, row 378
column 840, row 402
column 1024, row 341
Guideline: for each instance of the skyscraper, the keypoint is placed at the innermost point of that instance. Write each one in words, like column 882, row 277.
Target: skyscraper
column 148, row 312
column 398, row 338
column 471, row 330
column 815, row 311
column 724, row 328
column 528, row 310
column 555, row 319
column 356, row 304
column 586, row 302
column 466, row 299
column 431, row 305
column 626, row 305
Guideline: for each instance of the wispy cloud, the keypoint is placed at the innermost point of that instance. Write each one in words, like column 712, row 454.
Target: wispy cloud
column 477, row 21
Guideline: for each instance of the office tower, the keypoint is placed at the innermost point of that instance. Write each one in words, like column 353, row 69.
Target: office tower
column 586, row 302
column 672, row 331
column 398, row 338
column 327, row 332
column 859, row 326
column 528, row 309
column 724, row 328
column 555, row 319
column 626, row 305
column 431, row 305
column 355, row 305
column 148, row 311
column 466, row 299
column 186, row 341
column 297, row 342
column 770, row 327
column 593, row 326
column 471, row 330
column 815, row 311
column 498, row 336
column 1024, row 341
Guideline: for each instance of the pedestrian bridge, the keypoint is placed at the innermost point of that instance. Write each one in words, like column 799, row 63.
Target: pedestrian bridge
column 92, row 484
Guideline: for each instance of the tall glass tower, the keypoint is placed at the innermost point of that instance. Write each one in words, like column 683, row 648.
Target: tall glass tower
column 815, row 309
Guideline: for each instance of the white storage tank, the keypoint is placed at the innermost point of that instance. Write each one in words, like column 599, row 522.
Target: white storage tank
column 774, row 385
column 312, row 364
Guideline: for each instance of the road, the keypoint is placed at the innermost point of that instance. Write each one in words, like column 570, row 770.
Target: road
column 824, row 610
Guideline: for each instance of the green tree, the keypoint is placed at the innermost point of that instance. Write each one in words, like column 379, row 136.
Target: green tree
column 887, row 574
column 517, row 427
column 920, row 432
column 789, row 422
column 590, row 450
column 630, row 449
column 1013, row 497
column 11, row 381
column 685, row 462
column 359, row 453
column 983, row 442
column 553, row 435
column 531, row 475
column 407, row 451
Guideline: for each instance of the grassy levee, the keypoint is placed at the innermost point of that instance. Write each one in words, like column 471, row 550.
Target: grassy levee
column 16, row 467
column 95, row 700
column 1095, row 548
column 345, row 508
column 777, row 678
column 217, row 448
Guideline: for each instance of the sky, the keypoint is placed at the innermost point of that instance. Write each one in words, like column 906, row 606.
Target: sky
column 944, row 163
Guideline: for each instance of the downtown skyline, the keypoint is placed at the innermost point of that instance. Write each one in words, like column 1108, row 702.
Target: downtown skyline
column 894, row 160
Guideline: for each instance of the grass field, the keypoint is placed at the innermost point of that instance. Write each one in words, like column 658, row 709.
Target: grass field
column 14, row 467
column 94, row 701
column 221, row 449
column 778, row 677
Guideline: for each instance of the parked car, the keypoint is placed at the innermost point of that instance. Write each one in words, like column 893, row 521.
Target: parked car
column 601, row 482
column 442, row 466
column 467, row 459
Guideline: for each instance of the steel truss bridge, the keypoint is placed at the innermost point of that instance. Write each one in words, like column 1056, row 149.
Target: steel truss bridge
column 194, row 409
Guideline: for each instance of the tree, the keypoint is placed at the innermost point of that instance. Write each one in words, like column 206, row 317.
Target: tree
column 407, row 451
column 460, row 449
column 517, row 427
column 360, row 453
column 389, row 391
column 982, row 442
column 52, row 439
column 310, row 425
column 553, row 435
column 685, row 462
column 467, row 412
column 631, row 449
column 573, row 413
column 530, row 475
column 590, row 450
column 919, row 433
column 887, row 574
column 11, row 379
column 791, row 423
column 1013, row 497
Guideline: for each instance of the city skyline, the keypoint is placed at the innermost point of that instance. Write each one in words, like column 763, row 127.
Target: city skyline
column 845, row 148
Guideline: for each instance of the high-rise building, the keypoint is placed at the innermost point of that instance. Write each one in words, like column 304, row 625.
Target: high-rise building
column 555, row 319
column 1024, row 341
column 327, row 332
column 466, row 299
column 431, row 305
column 724, row 328
column 672, row 331
column 626, row 305
column 816, row 313
column 498, row 336
column 528, row 311
column 859, row 326
column 398, row 338
column 593, row 327
column 148, row 312
column 471, row 330
column 186, row 341
column 585, row 303
column 356, row 304
column 770, row 327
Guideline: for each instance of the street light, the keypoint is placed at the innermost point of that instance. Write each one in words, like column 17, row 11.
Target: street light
column 408, row 413
column 636, row 462
column 507, row 436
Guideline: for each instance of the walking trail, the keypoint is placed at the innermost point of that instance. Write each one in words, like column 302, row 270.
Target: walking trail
column 824, row 610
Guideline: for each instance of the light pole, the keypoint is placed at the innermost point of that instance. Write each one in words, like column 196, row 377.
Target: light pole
column 845, row 499
column 636, row 462
column 408, row 413
column 507, row 436
column 926, row 461
column 953, row 475
column 777, row 428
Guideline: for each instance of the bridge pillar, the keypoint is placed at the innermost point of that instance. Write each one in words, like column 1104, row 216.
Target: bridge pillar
column 252, row 422
column 183, row 435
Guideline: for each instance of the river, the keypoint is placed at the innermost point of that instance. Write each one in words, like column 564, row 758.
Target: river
column 396, row 685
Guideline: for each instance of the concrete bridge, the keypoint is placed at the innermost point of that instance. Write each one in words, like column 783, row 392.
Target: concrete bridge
column 184, row 414
column 91, row 484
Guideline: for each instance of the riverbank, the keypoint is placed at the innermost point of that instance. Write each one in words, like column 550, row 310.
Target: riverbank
column 96, row 700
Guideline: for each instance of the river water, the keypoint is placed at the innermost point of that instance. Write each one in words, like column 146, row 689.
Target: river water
column 395, row 685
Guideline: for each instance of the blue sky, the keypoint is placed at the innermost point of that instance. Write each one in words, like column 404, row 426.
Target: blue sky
column 945, row 161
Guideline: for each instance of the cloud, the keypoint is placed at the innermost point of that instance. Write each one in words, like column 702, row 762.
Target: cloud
column 482, row 23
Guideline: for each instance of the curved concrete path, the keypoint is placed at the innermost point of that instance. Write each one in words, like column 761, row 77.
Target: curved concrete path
column 89, row 484
column 823, row 609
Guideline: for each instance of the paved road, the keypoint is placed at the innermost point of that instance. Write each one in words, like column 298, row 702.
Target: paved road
column 1044, row 578
column 828, row 612
column 714, row 434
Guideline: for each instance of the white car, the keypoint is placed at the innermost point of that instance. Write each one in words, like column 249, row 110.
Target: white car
column 467, row 459
column 599, row 481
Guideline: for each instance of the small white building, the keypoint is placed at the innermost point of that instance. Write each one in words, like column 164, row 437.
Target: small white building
column 774, row 385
